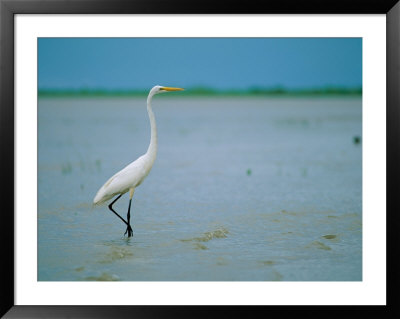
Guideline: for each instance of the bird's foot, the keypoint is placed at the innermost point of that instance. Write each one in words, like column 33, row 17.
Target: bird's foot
column 129, row 231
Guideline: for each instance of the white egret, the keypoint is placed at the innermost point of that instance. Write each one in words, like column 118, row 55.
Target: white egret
column 133, row 175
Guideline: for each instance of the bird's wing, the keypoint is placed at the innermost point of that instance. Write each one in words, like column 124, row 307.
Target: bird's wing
column 130, row 176
column 106, row 192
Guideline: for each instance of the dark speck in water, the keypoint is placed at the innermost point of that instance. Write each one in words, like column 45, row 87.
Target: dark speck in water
column 319, row 245
column 356, row 139
column 103, row 277
column 199, row 246
column 329, row 236
column 66, row 168
column 98, row 164
column 268, row 262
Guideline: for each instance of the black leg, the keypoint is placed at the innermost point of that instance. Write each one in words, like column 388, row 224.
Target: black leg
column 110, row 207
column 129, row 228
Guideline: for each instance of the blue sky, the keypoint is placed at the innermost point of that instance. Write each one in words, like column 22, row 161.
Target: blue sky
column 222, row 63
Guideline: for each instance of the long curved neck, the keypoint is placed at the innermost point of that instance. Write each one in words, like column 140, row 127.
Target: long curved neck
column 152, row 150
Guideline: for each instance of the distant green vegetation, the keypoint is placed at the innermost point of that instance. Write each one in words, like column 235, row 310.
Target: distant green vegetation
column 205, row 91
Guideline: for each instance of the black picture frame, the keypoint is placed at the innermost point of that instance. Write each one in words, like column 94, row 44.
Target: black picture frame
column 8, row 10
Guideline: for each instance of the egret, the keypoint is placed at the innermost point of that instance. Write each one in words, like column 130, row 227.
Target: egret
column 133, row 175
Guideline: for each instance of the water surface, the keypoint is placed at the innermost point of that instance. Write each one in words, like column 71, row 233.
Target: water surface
column 243, row 189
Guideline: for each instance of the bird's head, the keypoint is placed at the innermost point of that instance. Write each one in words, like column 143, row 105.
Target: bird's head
column 161, row 89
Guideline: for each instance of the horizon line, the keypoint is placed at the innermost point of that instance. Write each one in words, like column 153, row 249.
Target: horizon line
column 204, row 91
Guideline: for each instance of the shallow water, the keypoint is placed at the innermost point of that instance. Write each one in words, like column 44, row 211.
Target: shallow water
column 243, row 189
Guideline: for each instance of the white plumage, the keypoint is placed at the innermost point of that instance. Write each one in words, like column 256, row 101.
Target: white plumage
column 133, row 175
column 129, row 177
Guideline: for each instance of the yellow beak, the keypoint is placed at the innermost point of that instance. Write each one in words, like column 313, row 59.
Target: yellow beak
column 165, row 88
